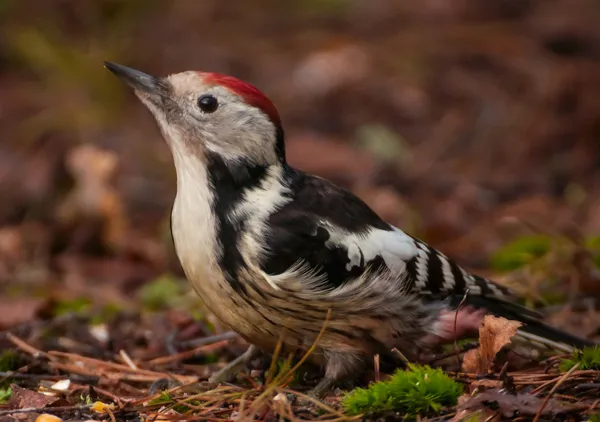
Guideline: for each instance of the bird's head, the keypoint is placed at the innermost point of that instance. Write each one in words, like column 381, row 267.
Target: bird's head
column 201, row 112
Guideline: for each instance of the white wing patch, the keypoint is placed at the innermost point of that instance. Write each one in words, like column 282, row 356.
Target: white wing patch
column 394, row 246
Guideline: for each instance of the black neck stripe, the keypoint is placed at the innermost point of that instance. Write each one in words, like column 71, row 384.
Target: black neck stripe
column 230, row 182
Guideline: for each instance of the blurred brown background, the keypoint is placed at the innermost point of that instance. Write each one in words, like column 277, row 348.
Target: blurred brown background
column 467, row 123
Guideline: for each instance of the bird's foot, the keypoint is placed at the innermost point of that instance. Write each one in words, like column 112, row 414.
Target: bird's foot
column 316, row 395
column 227, row 373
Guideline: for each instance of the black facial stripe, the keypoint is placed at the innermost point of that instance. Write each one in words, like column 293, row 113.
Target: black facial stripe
column 229, row 183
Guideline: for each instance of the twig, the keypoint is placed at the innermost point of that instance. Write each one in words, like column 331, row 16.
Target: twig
column 229, row 335
column 45, row 409
column 465, row 348
column 273, row 365
column 558, row 384
column 75, row 378
column 456, row 348
column 401, row 356
column 110, row 414
column 314, row 401
column 189, row 353
column 127, row 360
column 27, row 348
column 312, row 348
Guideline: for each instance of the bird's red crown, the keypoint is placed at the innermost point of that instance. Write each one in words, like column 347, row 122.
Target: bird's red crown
column 248, row 92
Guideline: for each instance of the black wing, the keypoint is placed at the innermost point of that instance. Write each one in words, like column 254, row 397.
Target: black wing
column 340, row 237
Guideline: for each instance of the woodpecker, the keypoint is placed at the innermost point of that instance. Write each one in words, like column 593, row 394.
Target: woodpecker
column 276, row 253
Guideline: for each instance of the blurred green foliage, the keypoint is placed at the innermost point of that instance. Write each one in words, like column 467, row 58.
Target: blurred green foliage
column 521, row 252
column 593, row 245
column 595, row 417
column 527, row 249
column 588, row 359
column 80, row 305
column 416, row 391
column 74, row 92
column 163, row 293
column 384, row 144
column 5, row 394
column 9, row 361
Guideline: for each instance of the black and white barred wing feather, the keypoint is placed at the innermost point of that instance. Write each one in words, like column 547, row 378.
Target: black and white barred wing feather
column 338, row 238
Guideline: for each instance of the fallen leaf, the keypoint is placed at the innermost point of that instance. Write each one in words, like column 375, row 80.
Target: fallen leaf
column 93, row 196
column 494, row 334
column 511, row 406
column 22, row 397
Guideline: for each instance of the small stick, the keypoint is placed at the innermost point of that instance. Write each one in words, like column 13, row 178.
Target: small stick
column 558, row 384
column 48, row 377
column 456, row 348
column 401, row 356
column 189, row 353
column 45, row 409
column 27, row 348
column 229, row 335
column 127, row 360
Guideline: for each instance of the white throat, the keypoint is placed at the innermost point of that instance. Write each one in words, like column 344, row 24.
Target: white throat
column 193, row 221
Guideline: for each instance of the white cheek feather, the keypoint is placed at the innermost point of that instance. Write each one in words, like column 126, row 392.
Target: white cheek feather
column 395, row 247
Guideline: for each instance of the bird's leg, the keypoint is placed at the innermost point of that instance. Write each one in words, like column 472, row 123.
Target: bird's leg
column 235, row 365
column 338, row 367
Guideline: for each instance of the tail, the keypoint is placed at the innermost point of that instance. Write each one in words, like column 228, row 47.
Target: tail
column 436, row 277
column 534, row 333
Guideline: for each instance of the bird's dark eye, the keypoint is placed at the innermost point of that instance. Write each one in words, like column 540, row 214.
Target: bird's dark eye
column 208, row 103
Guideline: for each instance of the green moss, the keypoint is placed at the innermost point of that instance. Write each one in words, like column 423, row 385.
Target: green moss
column 5, row 394
column 521, row 252
column 588, row 358
column 419, row 390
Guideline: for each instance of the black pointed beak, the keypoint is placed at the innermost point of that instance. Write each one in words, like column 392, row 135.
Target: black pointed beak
column 139, row 81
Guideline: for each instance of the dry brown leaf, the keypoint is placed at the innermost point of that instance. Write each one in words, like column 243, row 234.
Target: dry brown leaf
column 93, row 195
column 22, row 397
column 510, row 406
column 494, row 334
